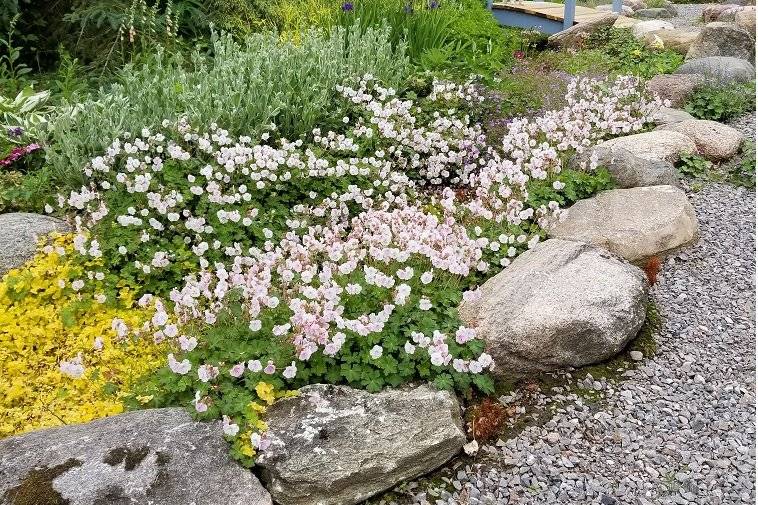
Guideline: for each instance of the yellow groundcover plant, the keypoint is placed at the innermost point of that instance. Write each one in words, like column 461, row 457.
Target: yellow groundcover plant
column 62, row 361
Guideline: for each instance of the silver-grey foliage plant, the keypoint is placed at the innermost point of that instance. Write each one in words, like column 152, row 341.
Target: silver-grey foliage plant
column 244, row 87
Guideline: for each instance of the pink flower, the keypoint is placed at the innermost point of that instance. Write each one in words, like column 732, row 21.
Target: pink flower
column 179, row 368
column 237, row 370
column 290, row 371
column 270, row 368
column 200, row 405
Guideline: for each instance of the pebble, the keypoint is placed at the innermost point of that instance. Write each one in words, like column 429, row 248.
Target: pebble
column 636, row 355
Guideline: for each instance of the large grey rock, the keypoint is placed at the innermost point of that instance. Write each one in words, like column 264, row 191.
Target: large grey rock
column 643, row 27
column 719, row 69
column 635, row 5
column 636, row 223
column 630, row 170
column 625, row 9
column 715, row 141
column 676, row 88
column 561, row 304
column 337, row 445
column 653, row 146
column 574, row 37
column 745, row 19
column 676, row 40
column 655, row 13
column 19, row 234
column 667, row 115
column 730, row 14
column 722, row 39
column 158, row 456
column 713, row 11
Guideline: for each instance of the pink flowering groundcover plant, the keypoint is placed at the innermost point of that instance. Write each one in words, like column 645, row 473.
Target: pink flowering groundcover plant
column 341, row 257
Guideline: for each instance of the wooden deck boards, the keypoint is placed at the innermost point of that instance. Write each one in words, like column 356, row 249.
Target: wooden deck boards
column 548, row 10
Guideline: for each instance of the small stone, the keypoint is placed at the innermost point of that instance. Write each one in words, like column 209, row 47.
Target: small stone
column 636, row 355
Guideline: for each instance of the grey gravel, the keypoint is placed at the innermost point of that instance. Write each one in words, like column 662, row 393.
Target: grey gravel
column 688, row 15
column 678, row 429
column 745, row 124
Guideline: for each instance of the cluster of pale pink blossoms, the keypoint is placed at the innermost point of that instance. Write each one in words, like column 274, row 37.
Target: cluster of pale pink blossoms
column 393, row 244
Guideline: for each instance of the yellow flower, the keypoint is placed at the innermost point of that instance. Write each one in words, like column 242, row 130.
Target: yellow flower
column 265, row 392
column 257, row 407
column 42, row 325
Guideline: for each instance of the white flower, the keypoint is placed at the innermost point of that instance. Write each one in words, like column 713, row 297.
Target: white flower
column 187, row 343
column 206, row 373
column 73, row 368
column 230, row 429
column 179, row 368
column 290, row 371
column 376, row 352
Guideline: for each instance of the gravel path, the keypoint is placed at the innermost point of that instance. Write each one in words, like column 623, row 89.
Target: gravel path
column 688, row 15
column 745, row 124
column 679, row 428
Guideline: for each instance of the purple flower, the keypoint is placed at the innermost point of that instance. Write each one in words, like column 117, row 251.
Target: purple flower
column 347, row 7
column 434, row 4
column 15, row 131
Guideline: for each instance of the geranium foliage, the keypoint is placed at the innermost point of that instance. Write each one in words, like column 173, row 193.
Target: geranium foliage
column 341, row 257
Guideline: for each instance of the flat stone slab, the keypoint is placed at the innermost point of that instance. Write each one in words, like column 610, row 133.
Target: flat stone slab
column 636, row 223
column 158, row 456
column 561, row 304
column 19, row 234
column 714, row 140
column 334, row 445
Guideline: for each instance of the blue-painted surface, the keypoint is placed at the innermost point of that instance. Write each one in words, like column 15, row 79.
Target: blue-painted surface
column 569, row 10
column 522, row 20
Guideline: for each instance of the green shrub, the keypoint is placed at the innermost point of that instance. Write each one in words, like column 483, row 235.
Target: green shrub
column 578, row 185
column 627, row 55
column 742, row 173
column 720, row 103
column 246, row 87
column 477, row 42
column 693, row 165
